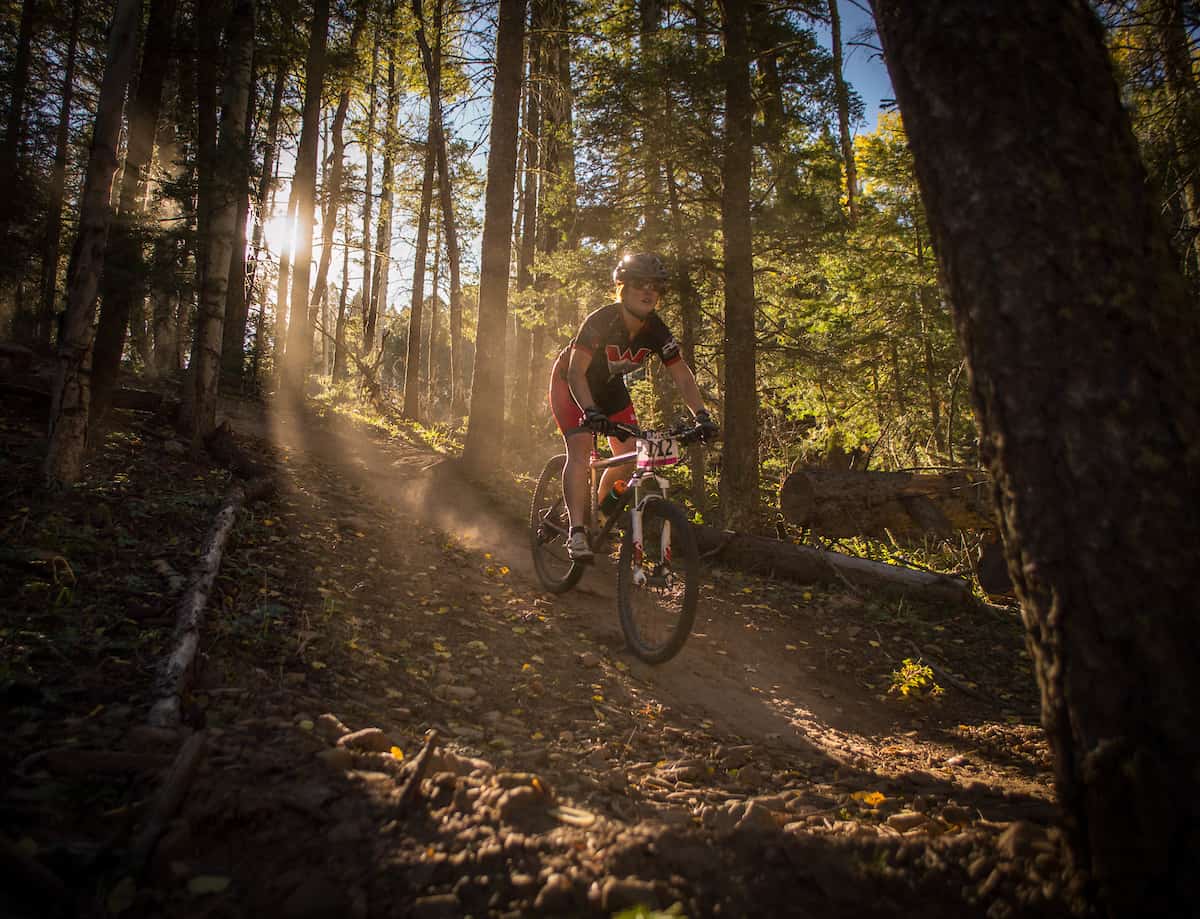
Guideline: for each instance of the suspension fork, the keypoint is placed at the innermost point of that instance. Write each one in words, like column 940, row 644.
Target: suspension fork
column 635, row 512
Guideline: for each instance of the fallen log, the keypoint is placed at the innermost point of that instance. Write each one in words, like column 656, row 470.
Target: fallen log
column 175, row 671
column 168, row 799
column 763, row 555
column 839, row 503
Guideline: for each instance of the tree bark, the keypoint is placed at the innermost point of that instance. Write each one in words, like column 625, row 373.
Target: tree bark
column 373, row 335
column 739, row 471
column 266, row 185
column 228, row 185
column 842, row 92
column 69, row 405
column 1083, row 347
column 124, row 283
column 237, row 302
column 14, row 132
column 337, row 167
column 840, row 503
column 58, row 182
column 300, row 332
column 486, row 420
column 412, row 365
column 281, row 286
column 432, row 61
column 339, row 340
column 528, row 388
column 368, row 178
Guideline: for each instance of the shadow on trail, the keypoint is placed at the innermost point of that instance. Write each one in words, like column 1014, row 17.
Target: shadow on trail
column 736, row 681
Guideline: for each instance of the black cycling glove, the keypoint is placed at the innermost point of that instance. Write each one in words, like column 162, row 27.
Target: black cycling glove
column 596, row 421
column 708, row 428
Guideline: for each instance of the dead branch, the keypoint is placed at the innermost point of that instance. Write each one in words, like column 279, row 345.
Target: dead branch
column 175, row 671
column 170, row 795
column 420, row 766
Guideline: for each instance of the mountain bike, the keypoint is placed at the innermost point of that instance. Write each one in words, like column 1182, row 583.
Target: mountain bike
column 658, row 567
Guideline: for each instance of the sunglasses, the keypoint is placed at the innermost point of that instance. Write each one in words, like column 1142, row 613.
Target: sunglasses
column 659, row 287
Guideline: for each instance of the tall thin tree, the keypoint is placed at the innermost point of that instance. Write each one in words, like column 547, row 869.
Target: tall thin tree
column 70, row 394
column 300, row 331
column 486, row 420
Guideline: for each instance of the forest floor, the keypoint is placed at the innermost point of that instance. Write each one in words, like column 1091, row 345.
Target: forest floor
column 767, row 770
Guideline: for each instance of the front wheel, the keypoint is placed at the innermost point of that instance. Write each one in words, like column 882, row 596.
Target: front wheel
column 548, row 531
column 658, row 583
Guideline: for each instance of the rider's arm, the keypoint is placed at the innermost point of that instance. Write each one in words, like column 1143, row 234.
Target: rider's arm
column 577, row 368
column 682, row 374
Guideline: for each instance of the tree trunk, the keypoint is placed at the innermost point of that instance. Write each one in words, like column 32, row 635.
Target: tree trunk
column 281, row 286
column 368, row 176
column 1172, row 28
column 237, row 303
column 14, row 132
column 739, row 471
column 339, row 340
column 58, row 183
column 842, row 93
column 300, row 332
column 432, row 61
column 689, row 312
column 431, row 375
column 528, row 388
column 206, row 51
column 412, row 365
column 266, row 184
column 840, row 503
column 373, row 334
column 337, row 167
column 124, row 283
column 486, row 420
column 228, row 185
column 69, row 404
column 1083, row 346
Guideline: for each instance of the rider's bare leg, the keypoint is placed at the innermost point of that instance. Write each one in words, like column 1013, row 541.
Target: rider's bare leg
column 613, row 473
column 575, row 477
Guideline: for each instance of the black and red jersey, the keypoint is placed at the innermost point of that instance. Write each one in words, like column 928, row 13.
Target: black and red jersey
column 615, row 353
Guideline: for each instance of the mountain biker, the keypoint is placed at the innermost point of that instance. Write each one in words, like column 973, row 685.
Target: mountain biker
column 587, row 384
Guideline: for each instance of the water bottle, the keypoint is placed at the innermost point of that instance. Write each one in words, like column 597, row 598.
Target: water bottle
column 613, row 498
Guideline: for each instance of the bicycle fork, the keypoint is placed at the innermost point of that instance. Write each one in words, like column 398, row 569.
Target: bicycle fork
column 639, row 551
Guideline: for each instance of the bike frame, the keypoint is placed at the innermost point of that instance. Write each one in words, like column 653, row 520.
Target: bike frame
column 598, row 463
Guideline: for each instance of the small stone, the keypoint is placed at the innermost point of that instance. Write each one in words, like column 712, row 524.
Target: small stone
column 735, row 757
column 330, row 728
column 462, row 693
column 175, row 448
column 906, row 820
column 757, row 817
column 556, row 894
column 588, row 659
column 370, row 740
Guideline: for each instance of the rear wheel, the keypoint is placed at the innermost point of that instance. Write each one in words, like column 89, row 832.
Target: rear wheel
column 658, row 587
column 548, row 531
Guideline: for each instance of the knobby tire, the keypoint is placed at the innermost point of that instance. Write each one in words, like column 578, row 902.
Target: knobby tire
column 642, row 608
column 554, row 568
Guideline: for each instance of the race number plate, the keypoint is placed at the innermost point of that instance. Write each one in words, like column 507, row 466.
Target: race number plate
column 656, row 450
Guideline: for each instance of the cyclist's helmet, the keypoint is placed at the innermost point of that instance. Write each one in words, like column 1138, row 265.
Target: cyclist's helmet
column 640, row 266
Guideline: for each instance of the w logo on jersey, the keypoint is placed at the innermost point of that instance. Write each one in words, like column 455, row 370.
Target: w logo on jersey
column 623, row 360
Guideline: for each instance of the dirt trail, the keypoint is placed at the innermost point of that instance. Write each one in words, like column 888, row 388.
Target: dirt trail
column 753, row 671
column 765, row 770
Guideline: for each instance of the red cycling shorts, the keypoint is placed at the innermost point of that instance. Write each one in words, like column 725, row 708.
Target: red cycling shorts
column 569, row 415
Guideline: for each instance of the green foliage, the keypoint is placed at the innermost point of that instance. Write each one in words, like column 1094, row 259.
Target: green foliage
column 914, row 680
